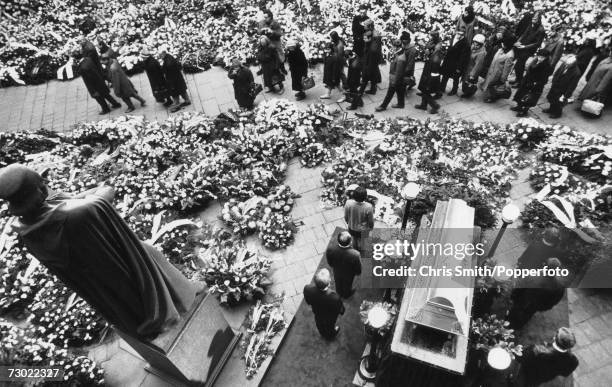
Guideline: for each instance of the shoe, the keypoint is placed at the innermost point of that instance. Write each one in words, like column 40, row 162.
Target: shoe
column 546, row 110
column 130, row 109
column 342, row 99
column 437, row 96
column 360, row 103
column 554, row 115
column 117, row 106
column 168, row 103
column 371, row 91
column 281, row 91
column 396, row 106
column 352, row 107
column 143, row 104
column 185, row 103
column 452, row 92
column 268, row 90
column 488, row 100
column 522, row 113
column 434, row 110
column 380, row 108
column 515, row 108
column 103, row 112
column 300, row 97
column 175, row 108
column 420, row 107
column 325, row 96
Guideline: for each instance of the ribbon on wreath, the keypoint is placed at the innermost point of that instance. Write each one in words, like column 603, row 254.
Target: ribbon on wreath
column 565, row 214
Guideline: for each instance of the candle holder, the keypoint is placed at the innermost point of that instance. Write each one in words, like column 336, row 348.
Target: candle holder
column 378, row 318
column 410, row 191
column 510, row 214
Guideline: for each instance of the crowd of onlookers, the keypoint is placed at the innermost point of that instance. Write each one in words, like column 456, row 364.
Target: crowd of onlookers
column 476, row 59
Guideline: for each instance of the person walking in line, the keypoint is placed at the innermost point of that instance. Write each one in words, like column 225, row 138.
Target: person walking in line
column 359, row 216
column 527, row 45
column 411, row 54
column 353, row 77
column 454, row 64
column 270, row 66
column 533, row 83
column 89, row 50
column 555, row 45
column 94, row 82
column 273, row 31
column 243, row 84
column 541, row 363
column 359, row 30
column 334, row 65
column 465, row 23
column 372, row 57
column 492, row 44
column 177, row 87
column 585, row 54
column 122, row 86
column 474, row 66
column 563, row 84
column 298, row 67
column 429, row 84
column 397, row 73
column 345, row 263
column 156, row 77
column 325, row 303
column 500, row 69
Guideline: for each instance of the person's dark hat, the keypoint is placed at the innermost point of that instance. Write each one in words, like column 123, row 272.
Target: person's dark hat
column 18, row 184
column 543, row 52
column 405, row 36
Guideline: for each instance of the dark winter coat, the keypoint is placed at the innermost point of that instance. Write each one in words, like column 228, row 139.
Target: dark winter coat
column 333, row 66
column 122, row 86
column 397, row 69
column 298, row 66
column 584, row 56
column 456, row 59
column 174, row 76
column 564, row 82
column 243, row 80
column 541, row 363
column 372, row 59
column 411, row 55
column 353, row 76
column 492, row 45
column 326, row 306
column 156, row 79
column 533, row 83
column 358, row 31
column 475, row 64
column 270, row 65
column 92, row 77
column 531, row 39
column 89, row 50
column 430, row 77
column 555, row 47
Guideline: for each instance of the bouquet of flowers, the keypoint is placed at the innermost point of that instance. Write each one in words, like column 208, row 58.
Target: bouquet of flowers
column 490, row 332
column 276, row 230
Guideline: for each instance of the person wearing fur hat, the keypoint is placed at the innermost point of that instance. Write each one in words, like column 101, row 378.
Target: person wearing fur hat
column 156, row 77
column 474, row 66
column 298, row 67
column 532, row 85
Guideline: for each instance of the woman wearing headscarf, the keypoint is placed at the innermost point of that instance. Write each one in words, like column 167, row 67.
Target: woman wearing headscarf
column 500, row 68
column 269, row 60
column 243, row 84
column 122, row 86
column 334, row 65
column 156, row 77
column 298, row 67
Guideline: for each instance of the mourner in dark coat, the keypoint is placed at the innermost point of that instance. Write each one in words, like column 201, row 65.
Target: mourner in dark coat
column 542, row 363
column 334, row 64
column 411, row 56
column 325, row 303
column 89, row 50
column 94, row 82
column 539, row 251
column 585, row 53
column 372, row 58
column 429, row 84
column 122, row 86
column 563, row 84
column 492, row 45
column 527, row 44
column 358, row 29
column 533, row 83
column 270, row 63
column 397, row 74
column 455, row 62
column 535, row 294
column 243, row 84
column 555, row 45
column 177, row 87
column 156, row 77
column 465, row 22
column 345, row 263
column 298, row 67
column 353, row 77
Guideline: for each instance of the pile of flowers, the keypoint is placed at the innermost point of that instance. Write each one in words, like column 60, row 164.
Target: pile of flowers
column 491, row 332
column 264, row 321
column 232, row 271
column 37, row 39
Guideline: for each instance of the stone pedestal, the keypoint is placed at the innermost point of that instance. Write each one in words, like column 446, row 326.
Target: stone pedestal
column 194, row 351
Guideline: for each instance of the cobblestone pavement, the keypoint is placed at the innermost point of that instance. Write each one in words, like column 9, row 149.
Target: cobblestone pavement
column 57, row 105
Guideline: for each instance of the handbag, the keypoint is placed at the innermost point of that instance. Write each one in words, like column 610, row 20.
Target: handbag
column 308, row 82
column 255, row 89
column 502, row 91
column 592, row 107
